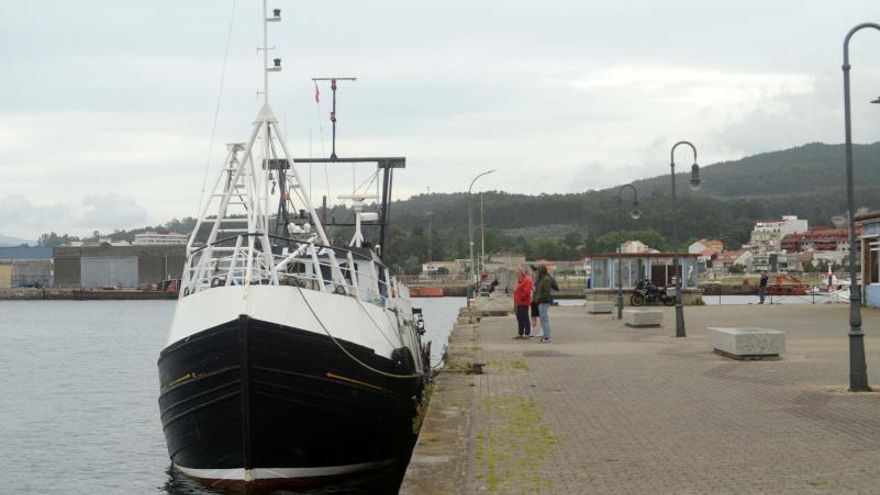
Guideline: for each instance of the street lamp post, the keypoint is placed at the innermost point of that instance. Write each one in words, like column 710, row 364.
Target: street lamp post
column 473, row 274
column 482, row 236
column 430, row 215
column 635, row 214
column 858, row 375
column 695, row 184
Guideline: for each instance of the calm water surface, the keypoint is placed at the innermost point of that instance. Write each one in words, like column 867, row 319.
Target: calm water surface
column 78, row 392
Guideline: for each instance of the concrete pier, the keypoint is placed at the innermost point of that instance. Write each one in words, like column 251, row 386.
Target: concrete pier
column 83, row 294
column 607, row 410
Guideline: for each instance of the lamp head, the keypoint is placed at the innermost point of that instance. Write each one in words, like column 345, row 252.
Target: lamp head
column 695, row 183
column 636, row 212
column 876, row 100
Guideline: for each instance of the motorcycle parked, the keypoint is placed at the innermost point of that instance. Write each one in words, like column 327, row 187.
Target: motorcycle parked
column 646, row 293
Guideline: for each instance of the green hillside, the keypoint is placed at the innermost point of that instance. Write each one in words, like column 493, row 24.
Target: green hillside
column 807, row 181
column 813, row 168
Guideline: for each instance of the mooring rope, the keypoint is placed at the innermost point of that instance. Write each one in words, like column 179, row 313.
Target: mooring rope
column 346, row 351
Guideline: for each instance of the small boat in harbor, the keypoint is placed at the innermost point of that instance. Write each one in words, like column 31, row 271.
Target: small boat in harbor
column 290, row 361
column 426, row 292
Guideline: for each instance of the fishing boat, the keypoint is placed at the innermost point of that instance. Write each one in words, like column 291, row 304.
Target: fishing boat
column 290, row 361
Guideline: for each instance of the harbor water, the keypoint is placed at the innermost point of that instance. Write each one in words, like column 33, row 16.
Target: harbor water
column 79, row 389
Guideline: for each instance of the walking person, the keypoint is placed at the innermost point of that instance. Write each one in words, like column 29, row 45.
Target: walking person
column 762, row 287
column 522, row 299
column 543, row 297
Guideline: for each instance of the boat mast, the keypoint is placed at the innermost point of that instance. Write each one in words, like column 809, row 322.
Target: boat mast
column 333, row 112
column 241, row 195
column 276, row 17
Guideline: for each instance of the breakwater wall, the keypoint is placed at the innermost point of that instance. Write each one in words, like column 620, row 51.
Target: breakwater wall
column 82, row 295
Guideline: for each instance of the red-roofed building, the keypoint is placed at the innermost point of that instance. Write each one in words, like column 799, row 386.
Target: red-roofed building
column 817, row 239
column 741, row 257
column 704, row 244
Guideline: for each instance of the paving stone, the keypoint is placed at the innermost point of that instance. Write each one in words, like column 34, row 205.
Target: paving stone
column 610, row 412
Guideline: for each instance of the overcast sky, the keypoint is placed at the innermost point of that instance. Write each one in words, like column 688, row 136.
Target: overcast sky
column 106, row 107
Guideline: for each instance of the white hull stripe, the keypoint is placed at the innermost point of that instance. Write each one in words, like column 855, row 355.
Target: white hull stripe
column 277, row 473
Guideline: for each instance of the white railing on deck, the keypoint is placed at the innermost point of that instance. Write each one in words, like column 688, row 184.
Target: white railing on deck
column 306, row 265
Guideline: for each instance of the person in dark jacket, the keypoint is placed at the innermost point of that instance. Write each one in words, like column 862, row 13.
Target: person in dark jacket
column 522, row 299
column 543, row 297
column 762, row 287
column 533, row 308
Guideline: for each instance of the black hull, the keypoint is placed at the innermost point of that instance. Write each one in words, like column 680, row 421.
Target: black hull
column 258, row 396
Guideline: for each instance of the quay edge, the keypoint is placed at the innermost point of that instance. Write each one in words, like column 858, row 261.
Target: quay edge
column 442, row 458
column 51, row 294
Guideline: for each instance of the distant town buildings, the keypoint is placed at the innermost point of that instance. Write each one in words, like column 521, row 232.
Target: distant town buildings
column 741, row 258
column 635, row 247
column 702, row 245
column 767, row 234
column 153, row 238
column 782, row 246
column 817, row 239
column 103, row 241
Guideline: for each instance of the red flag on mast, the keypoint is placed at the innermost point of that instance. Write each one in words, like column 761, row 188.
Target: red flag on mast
column 317, row 93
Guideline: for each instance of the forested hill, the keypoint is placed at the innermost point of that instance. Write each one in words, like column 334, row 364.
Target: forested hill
column 813, row 168
column 808, row 181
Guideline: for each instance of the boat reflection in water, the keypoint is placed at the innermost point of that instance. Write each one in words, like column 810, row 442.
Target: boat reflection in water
column 375, row 484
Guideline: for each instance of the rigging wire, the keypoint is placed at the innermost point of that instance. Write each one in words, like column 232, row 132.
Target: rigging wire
column 346, row 351
column 364, row 185
column 217, row 107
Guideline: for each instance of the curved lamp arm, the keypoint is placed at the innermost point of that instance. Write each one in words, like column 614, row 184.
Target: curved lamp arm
column 695, row 181
column 477, row 177
column 676, row 145
column 635, row 213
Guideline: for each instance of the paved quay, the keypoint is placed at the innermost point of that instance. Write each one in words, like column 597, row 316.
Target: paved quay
column 608, row 409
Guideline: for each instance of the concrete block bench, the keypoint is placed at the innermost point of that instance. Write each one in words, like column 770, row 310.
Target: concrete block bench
column 643, row 317
column 747, row 342
column 595, row 307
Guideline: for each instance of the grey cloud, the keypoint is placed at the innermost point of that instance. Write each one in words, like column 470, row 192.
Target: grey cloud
column 111, row 211
column 23, row 218
column 788, row 120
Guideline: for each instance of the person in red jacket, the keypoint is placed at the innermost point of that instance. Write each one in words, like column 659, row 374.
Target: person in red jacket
column 522, row 299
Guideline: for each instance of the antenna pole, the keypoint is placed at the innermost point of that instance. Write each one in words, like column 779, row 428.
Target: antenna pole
column 265, row 54
column 333, row 86
column 333, row 118
column 276, row 67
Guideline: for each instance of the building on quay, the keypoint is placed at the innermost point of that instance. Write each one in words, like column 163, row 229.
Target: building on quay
column 654, row 266
column 26, row 266
column 119, row 267
column 870, row 257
